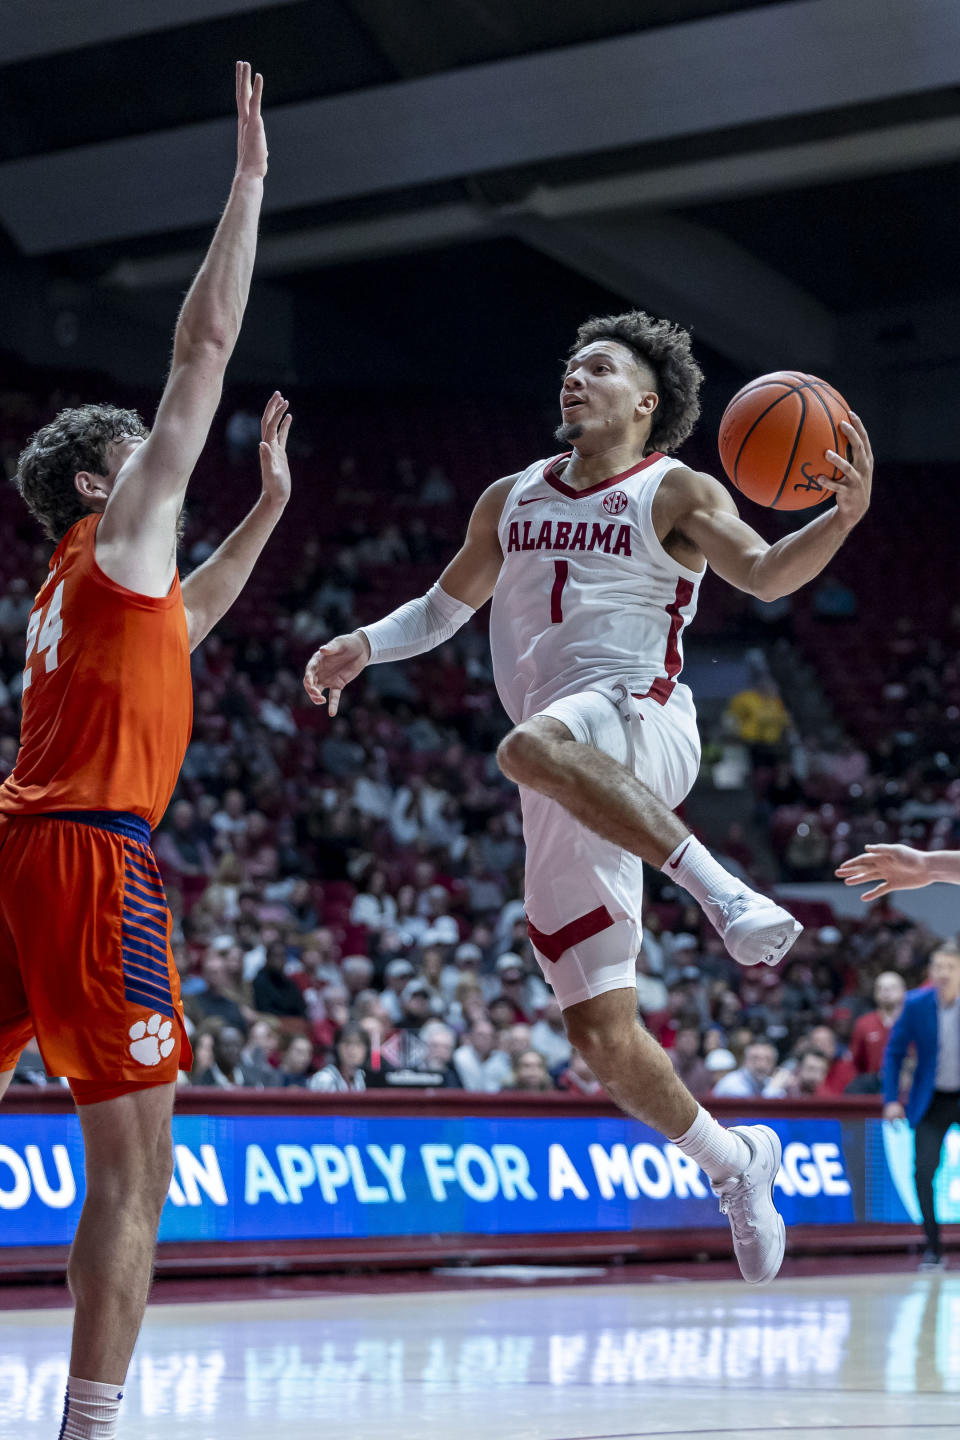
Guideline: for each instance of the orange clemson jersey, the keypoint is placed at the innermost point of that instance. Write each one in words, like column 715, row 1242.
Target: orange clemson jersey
column 107, row 698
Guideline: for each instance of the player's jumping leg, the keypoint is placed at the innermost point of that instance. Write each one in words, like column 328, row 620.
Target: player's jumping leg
column 611, row 801
column 742, row 1162
column 129, row 1161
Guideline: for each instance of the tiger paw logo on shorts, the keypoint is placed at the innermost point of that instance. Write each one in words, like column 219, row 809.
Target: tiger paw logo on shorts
column 151, row 1040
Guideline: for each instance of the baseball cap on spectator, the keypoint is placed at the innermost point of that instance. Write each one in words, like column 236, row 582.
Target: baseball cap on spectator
column 690, row 972
column 415, row 987
column 443, row 932
column 720, row 1059
column 467, row 953
column 829, row 935
column 221, row 943
column 398, row 967
column 685, row 942
column 509, row 962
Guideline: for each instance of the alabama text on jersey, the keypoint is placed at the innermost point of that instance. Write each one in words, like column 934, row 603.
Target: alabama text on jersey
column 587, row 597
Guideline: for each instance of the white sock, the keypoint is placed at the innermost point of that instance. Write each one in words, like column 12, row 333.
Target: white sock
column 90, row 1410
column 693, row 867
column 719, row 1152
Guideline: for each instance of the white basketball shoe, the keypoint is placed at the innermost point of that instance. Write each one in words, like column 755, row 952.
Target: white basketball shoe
column 759, row 1234
column 754, row 929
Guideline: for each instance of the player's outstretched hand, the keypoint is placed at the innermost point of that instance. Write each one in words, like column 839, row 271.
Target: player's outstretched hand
column 251, row 136
column 887, row 868
column 333, row 667
column 274, row 465
column 855, row 481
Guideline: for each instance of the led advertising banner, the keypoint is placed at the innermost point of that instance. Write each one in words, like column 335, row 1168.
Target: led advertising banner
column 321, row 1175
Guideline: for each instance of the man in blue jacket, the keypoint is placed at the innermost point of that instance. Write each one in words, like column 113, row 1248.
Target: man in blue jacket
column 930, row 1020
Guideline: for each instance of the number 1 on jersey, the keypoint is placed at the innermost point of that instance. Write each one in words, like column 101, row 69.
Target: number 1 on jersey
column 556, row 594
column 45, row 636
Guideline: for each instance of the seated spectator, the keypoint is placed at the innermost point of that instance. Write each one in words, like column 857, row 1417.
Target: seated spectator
column 274, row 992
column 841, row 1067
column 440, row 1041
column 216, row 1001
column 688, row 1062
column 466, row 963
column 404, row 1050
column 760, row 717
column 872, row 1031
column 374, row 907
column 228, row 1068
column 297, row 901
column 719, row 1062
column 180, row 849
column 335, row 1012
column 262, row 1043
column 525, row 991
column 750, row 1080
column 357, row 973
column 346, row 1070
column 549, row 1036
column 296, row 1058
column 480, row 1065
column 441, row 929
column 231, row 819
column 515, row 1041
column 503, row 1016
column 202, row 1043
column 806, row 1080
column 530, row 1072
column 578, row 1079
column 397, row 976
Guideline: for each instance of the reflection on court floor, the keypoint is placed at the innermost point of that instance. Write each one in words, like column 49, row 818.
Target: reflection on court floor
column 846, row 1354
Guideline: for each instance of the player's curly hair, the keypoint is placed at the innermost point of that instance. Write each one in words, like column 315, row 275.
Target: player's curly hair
column 665, row 348
column 76, row 439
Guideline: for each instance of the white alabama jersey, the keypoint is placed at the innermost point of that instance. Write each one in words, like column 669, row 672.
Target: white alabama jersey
column 587, row 597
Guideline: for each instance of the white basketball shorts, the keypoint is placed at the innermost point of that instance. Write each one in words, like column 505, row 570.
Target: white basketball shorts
column 583, row 895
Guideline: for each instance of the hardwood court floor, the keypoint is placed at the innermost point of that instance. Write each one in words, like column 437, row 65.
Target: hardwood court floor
column 862, row 1357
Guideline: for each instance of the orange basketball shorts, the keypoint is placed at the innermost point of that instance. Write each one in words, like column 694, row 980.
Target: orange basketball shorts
column 85, row 958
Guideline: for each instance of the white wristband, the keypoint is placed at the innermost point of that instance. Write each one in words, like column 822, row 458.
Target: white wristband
column 417, row 626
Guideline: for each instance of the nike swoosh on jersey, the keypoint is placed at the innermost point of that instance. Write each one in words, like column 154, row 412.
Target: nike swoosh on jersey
column 533, row 499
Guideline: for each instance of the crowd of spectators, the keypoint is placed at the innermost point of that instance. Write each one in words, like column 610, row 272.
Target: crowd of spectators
column 347, row 894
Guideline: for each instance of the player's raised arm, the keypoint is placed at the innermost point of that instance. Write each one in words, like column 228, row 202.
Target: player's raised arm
column 212, row 588
column 421, row 624
column 899, row 867
column 702, row 512
column 136, row 538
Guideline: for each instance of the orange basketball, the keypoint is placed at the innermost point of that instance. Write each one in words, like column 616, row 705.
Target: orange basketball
column 773, row 436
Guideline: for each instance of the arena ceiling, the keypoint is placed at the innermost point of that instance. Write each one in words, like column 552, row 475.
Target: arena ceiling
column 766, row 172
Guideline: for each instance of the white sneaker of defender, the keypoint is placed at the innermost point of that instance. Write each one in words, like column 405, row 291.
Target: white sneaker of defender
column 759, row 1234
column 753, row 928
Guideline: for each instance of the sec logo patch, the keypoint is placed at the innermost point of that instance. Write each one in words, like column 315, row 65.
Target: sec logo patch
column 615, row 502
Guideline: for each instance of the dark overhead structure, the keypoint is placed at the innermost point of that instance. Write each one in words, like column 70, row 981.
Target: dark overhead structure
column 702, row 159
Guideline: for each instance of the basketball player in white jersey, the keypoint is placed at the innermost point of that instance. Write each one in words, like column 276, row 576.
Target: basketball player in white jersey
column 594, row 559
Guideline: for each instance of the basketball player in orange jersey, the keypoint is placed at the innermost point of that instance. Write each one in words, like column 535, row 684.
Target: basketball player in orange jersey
column 593, row 560
column 85, row 958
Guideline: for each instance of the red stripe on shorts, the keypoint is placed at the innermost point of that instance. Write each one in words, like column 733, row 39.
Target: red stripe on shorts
column 574, row 933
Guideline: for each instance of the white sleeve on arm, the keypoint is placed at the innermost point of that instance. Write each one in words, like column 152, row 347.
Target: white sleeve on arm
column 417, row 626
